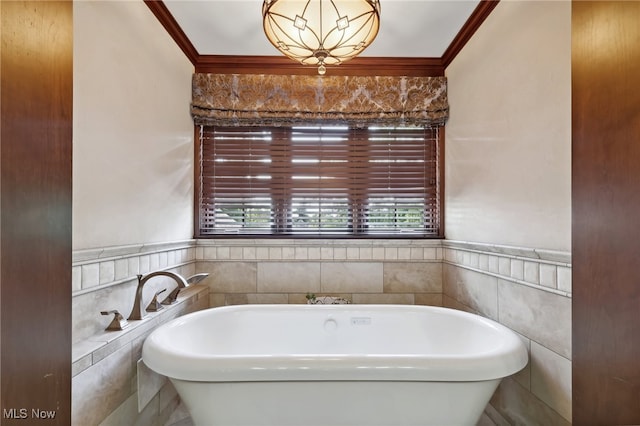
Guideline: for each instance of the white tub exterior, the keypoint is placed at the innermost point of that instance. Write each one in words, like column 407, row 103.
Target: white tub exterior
column 334, row 364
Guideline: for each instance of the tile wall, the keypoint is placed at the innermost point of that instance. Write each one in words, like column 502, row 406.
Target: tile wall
column 110, row 386
column 528, row 290
column 285, row 271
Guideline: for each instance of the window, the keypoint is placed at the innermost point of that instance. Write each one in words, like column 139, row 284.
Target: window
column 318, row 181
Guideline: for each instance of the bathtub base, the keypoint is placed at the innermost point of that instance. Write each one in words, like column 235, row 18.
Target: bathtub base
column 324, row 403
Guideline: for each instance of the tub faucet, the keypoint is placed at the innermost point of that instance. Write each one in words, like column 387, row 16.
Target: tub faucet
column 137, row 312
column 173, row 296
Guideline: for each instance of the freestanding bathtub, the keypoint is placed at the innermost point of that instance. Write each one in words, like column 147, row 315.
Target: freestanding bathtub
column 303, row 365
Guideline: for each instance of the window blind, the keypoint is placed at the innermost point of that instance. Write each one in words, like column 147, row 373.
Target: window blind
column 324, row 180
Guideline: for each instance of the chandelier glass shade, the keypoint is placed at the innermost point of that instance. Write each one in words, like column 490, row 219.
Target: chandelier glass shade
column 321, row 32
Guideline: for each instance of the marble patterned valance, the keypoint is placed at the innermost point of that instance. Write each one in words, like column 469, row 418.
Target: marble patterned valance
column 285, row 100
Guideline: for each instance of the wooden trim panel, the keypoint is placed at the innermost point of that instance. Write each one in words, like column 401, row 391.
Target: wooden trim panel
column 35, row 168
column 169, row 23
column 605, row 211
column 481, row 12
column 227, row 64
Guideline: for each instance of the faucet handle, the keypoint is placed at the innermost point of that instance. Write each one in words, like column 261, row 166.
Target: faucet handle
column 155, row 306
column 172, row 297
column 118, row 322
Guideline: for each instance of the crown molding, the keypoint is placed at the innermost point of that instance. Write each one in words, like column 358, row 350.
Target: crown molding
column 225, row 64
column 417, row 67
column 479, row 14
column 159, row 9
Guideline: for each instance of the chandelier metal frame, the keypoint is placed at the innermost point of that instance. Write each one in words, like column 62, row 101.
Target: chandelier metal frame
column 321, row 32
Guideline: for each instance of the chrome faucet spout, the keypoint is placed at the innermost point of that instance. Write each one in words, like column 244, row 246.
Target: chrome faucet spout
column 137, row 313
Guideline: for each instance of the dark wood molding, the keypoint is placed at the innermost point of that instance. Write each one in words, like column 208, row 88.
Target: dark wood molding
column 481, row 12
column 36, row 171
column 167, row 20
column 226, row 64
column 417, row 67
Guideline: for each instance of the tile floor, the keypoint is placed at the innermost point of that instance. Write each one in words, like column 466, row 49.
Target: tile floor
column 181, row 417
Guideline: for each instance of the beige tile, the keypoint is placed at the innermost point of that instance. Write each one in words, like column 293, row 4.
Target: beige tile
column 90, row 275
column 235, row 253
column 275, row 253
column 353, row 253
column 523, row 377
column 314, row 253
column 377, row 253
column 121, row 269
column 102, row 388
column 133, row 265
column 326, row 253
column 288, row 253
column 494, row 264
column 483, row 262
column 539, row 315
column 430, row 299
column 504, row 266
column 126, row 413
column 380, row 298
column 417, row 253
column 412, row 277
column 145, row 264
column 164, row 259
column 404, row 253
column 520, row 407
column 449, row 302
column 223, row 253
column 564, row 279
column 301, row 253
column 366, row 253
column 288, row 277
column 495, row 417
column 236, row 299
column 551, row 379
column 262, row 253
column 430, row 253
column 216, row 299
column 485, row 421
column 249, row 253
column 473, row 289
column 351, row 277
column 517, row 269
column 548, row 275
column 231, row 277
column 76, row 278
column 473, row 260
column 149, row 384
column 391, row 253
column 340, row 253
column 268, row 298
column 532, row 272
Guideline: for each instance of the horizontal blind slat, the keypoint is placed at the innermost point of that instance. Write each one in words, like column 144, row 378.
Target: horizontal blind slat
column 318, row 180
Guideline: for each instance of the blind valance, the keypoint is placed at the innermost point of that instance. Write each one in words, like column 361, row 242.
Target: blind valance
column 286, row 100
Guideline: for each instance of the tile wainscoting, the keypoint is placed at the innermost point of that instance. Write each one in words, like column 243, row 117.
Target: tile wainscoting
column 285, row 271
column 529, row 291
column 525, row 289
column 110, row 386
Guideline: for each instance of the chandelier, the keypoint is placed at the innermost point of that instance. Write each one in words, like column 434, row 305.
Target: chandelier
column 321, row 32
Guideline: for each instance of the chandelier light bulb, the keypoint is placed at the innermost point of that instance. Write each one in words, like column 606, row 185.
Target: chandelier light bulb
column 321, row 32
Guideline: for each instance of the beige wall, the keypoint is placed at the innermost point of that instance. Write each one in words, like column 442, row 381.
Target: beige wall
column 132, row 193
column 508, row 197
column 508, row 141
column 132, row 133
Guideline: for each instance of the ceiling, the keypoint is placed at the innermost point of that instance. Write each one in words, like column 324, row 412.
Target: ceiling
column 408, row 28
